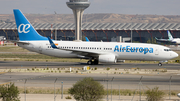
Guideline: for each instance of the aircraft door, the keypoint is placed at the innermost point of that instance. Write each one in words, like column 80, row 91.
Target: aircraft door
column 170, row 53
column 40, row 48
column 157, row 51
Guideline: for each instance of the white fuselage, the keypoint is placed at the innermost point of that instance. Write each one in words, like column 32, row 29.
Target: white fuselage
column 176, row 40
column 123, row 51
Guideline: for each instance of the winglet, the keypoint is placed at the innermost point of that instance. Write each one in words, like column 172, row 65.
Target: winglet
column 87, row 39
column 51, row 43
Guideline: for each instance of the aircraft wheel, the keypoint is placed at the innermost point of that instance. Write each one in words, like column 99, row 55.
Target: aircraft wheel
column 89, row 62
column 96, row 62
column 160, row 64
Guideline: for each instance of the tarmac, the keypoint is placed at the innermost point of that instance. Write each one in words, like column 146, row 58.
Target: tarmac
column 50, row 97
column 124, row 78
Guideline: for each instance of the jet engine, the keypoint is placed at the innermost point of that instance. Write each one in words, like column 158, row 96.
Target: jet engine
column 107, row 58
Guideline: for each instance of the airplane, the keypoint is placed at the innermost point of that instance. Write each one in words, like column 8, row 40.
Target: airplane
column 171, row 39
column 95, row 52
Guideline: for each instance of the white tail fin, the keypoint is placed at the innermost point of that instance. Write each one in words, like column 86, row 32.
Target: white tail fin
column 169, row 36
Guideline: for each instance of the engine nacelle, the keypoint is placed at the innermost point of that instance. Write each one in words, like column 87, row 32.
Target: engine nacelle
column 107, row 58
column 178, row 95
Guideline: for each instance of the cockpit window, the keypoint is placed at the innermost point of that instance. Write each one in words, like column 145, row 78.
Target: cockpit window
column 167, row 49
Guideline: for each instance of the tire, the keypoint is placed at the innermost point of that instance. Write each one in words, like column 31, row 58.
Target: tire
column 160, row 64
column 89, row 62
column 96, row 62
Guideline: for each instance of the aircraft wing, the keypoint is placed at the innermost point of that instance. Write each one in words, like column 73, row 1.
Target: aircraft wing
column 79, row 52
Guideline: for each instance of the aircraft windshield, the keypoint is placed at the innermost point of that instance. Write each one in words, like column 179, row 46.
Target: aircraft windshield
column 167, row 49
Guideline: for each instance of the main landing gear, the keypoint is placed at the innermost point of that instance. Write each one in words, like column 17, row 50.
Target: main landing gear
column 91, row 62
column 160, row 64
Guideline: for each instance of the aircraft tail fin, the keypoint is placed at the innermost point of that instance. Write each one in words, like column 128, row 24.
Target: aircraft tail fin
column 169, row 35
column 25, row 30
column 156, row 38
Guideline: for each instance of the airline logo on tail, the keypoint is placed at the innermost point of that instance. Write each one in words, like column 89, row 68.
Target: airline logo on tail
column 23, row 28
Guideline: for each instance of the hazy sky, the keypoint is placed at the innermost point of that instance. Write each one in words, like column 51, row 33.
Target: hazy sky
column 159, row 7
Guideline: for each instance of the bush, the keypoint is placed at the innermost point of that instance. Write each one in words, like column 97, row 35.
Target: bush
column 67, row 71
column 95, row 68
column 173, row 93
column 68, row 97
column 27, row 91
column 108, row 68
column 87, row 90
column 154, row 94
column 9, row 92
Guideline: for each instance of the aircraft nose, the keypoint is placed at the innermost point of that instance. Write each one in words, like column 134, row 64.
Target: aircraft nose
column 175, row 55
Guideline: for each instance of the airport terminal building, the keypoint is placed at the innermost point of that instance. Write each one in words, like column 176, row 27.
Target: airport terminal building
column 141, row 32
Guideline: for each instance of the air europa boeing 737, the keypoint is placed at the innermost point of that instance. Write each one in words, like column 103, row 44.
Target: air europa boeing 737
column 95, row 52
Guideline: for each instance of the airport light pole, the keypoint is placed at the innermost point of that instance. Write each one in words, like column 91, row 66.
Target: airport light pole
column 111, row 87
column 131, row 32
column 170, row 87
column 25, row 89
column 119, row 93
column 140, row 89
column 56, row 25
column 62, row 90
column 55, row 90
column 107, row 88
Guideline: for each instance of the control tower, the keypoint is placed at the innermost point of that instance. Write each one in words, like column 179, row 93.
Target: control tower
column 78, row 7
